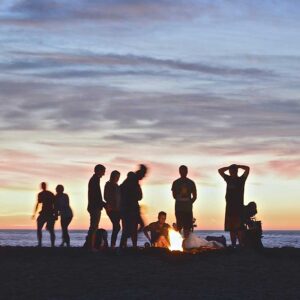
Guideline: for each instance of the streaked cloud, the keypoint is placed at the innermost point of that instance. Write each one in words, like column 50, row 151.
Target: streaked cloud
column 123, row 82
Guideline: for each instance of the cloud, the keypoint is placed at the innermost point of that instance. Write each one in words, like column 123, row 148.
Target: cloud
column 34, row 11
column 289, row 168
column 115, row 64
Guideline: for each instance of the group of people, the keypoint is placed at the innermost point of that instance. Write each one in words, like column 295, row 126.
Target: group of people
column 121, row 203
column 52, row 207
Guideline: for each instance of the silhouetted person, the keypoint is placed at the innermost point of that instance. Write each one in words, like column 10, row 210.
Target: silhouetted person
column 159, row 231
column 234, row 201
column 95, row 204
column 112, row 197
column 64, row 210
column 47, row 215
column 131, row 194
column 185, row 194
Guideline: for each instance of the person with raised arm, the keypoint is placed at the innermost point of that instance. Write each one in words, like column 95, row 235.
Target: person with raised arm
column 95, row 204
column 47, row 215
column 185, row 194
column 234, row 201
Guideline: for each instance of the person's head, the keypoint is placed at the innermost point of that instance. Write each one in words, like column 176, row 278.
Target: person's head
column 183, row 171
column 114, row 176
column 99, row 170
column 141, row 173
column 233, row 170
column 60, row 189
column 44, row 186
column 162, row 216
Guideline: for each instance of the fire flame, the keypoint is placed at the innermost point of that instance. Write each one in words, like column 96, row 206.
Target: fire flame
column 175, row 240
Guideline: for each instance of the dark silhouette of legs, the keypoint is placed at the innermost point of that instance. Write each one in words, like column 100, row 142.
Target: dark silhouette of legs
column 233, row 237
column 134, row 222
column 49, row 220
column 125, row 231
column 114, row 216
column 40, row 225
column 65, row 234
column 50, row 228
column 94, row 223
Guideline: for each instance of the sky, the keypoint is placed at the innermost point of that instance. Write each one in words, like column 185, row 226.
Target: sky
column 164, row 83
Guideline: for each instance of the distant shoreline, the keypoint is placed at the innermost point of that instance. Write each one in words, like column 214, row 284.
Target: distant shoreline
column 203, row 230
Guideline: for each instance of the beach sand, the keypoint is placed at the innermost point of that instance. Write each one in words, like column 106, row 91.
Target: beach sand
column 33, row 273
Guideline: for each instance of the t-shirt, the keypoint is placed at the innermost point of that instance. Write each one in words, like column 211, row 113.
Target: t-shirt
column 157, row 230
column 62, row 205
column 112, row 196
column 183, row 188
column 47, row 200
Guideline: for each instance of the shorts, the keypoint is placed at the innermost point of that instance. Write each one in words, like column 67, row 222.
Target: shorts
column 184, row 219
column 49, row 220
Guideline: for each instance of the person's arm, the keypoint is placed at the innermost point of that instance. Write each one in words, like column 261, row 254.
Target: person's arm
column 35, row 209
column 107, row 192
column 246, row 169
column 139, row 193
column 222, row 171
column 173, row 191
column 146, row 232
column 194, row 193
column 55, row 206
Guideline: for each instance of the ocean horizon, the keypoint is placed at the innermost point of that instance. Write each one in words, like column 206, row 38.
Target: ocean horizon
column 27, row 237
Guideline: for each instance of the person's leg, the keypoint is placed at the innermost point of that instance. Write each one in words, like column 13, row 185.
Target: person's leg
column 40, row 224
column 140, row 221
column 62, row 225
column 67, row 238
column 134, row 235
column 241, row 237
column 50, row 228
column 162, row 242
column 178, row 221
column 125, row 232
column 94, row 223
column 134, row 228
column 187, row 219
column 115, row 219
column 233, row 237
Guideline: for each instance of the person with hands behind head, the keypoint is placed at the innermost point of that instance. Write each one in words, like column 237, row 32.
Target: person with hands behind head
column 234, row 200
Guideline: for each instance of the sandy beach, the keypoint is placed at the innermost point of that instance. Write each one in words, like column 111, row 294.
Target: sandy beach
column 33, row 273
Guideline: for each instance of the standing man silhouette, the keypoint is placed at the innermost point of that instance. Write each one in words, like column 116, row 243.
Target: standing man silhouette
column 48, row 214
column 234, row 201
column 95, row 204
column 185, row 194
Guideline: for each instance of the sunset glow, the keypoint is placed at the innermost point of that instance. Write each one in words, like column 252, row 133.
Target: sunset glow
column 162, row 83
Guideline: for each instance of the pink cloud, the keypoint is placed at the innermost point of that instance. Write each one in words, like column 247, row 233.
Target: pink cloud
column 287, row 168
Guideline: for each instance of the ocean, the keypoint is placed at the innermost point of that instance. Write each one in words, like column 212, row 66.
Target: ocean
column 27, row 238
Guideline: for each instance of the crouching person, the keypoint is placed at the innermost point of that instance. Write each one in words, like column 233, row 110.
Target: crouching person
column 159, row 231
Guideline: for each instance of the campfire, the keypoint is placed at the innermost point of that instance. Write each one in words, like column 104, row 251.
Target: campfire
column 175, row 240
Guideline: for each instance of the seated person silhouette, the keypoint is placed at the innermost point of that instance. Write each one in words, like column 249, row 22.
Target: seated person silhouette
column 252, row 228
column 101, row 241
column 159, row 231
